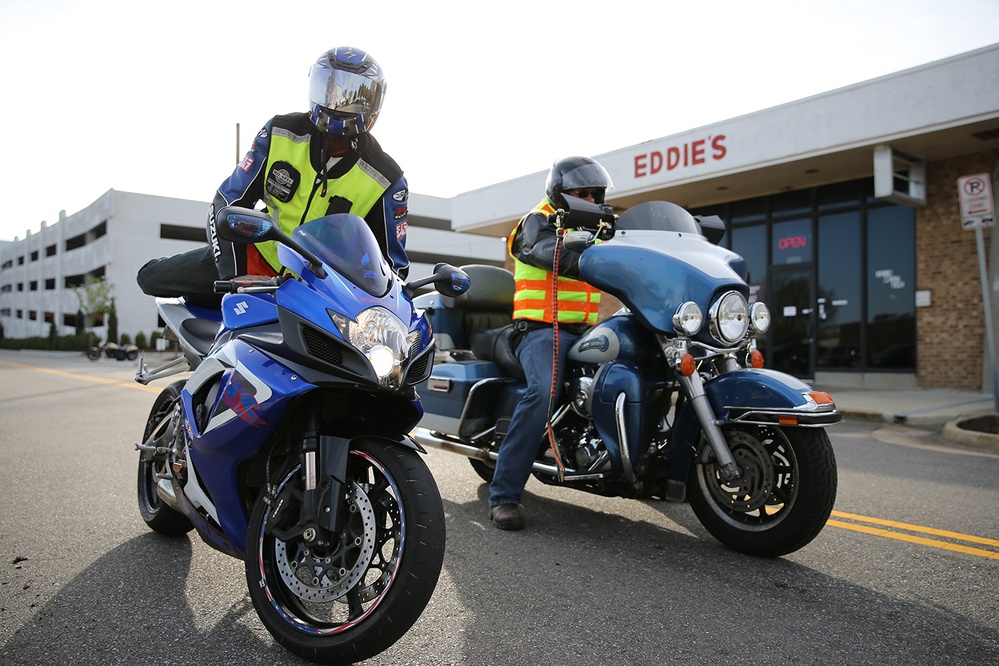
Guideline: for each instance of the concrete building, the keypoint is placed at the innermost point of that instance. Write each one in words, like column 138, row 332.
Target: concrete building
column 114, row 236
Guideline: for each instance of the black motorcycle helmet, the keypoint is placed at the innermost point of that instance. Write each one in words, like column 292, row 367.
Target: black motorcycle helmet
column 573, row 173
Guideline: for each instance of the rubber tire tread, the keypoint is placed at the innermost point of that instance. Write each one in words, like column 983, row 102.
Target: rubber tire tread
column 160, row 518
column 817, row 479
column 414, row 583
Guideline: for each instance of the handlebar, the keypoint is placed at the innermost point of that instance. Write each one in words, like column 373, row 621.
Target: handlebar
column 249, row 284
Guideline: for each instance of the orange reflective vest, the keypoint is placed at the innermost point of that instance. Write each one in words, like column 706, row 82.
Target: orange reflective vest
column 578, row 302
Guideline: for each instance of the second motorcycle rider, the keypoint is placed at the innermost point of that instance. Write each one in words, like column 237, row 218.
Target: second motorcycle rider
column 534, row 246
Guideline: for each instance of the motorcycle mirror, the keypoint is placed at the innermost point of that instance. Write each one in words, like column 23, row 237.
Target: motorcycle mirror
column 447, row 279
column 712, row 227
column 246, row 226
column 577, row 241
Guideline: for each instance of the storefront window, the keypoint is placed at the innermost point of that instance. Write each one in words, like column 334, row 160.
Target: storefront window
column 792, row 243
column 750, row 210
column 840, row 275
column 795, row 203
column 891, row 278
column 751, row 244
column 839, row 291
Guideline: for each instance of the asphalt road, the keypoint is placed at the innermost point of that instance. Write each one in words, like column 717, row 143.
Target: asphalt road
column 907, row 570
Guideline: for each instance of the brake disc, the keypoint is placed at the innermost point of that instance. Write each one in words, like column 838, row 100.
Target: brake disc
column 323, row 577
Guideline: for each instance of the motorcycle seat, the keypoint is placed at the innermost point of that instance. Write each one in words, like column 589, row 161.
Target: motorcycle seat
column 200, row 333
column 494, row 345
column 487, row 305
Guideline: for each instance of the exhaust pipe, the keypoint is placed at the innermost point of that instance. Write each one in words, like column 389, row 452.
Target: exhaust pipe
column 425, row 438
column 165, row 491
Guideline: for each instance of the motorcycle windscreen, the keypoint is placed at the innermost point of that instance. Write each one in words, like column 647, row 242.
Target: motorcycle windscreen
column 653, row 272
column 345, row 243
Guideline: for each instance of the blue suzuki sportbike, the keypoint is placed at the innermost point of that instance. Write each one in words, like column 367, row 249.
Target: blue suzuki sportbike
column 667, row 398
column 288, row 445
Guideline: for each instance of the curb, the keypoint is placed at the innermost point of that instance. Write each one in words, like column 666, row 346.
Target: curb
column 970, row 438
column 949, row 430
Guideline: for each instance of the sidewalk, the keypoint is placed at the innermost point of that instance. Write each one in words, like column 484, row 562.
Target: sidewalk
column 932, row 409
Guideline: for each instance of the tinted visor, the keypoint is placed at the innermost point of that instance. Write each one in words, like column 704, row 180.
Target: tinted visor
column 586, row 176
column 346, row 93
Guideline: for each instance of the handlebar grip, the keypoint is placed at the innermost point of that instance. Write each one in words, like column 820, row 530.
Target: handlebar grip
column 224, row 287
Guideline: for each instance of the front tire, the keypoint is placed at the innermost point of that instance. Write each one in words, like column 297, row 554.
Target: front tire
column 94, row 353
column 164, row 425
column 350, row 602
column 784, row 497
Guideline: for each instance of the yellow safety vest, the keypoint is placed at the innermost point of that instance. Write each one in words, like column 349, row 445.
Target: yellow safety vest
column 578, row 302
column 361, row 187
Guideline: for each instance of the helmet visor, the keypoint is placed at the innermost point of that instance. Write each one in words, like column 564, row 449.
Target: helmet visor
column 586, row 176
column 345, row 93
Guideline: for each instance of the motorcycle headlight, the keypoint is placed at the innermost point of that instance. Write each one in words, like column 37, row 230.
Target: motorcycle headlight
column 729, row 318
column 688, row 318
column 759, row 317
column 382, row 338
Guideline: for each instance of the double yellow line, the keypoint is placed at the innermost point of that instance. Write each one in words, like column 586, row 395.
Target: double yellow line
column 901, row 532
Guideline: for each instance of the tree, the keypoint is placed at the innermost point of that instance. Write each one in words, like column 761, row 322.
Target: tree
column 96, row 297
column 113, row 324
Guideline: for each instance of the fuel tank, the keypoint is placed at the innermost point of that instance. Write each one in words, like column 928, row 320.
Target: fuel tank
column 618, row 338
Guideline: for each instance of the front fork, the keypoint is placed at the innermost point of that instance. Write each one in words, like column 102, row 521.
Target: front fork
column 324, row 474
column 694, row 387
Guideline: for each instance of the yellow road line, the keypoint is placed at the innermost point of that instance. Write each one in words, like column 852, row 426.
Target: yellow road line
column 915, row 539
column 918, row 528
column 88, row 378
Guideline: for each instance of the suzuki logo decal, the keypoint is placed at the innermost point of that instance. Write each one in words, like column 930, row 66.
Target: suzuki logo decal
column 241, row 308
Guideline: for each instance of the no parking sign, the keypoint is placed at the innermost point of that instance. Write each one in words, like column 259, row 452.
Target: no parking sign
column 977, row 207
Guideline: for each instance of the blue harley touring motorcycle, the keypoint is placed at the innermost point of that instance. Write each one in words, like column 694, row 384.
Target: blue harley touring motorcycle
column 665, row 399
column 288, row 445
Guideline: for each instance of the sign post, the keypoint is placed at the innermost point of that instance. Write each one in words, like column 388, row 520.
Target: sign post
column 978, row 212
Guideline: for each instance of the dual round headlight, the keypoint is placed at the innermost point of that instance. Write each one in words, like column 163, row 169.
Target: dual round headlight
column 730, row 318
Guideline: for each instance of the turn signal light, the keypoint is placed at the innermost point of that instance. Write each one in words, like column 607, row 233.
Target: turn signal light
column 756, row 359
column 821, row 398
column 687, row 365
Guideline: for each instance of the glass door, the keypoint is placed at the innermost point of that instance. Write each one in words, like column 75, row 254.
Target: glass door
column 791, row 306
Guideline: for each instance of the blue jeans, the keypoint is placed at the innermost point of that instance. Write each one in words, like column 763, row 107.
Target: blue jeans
column 527, row 431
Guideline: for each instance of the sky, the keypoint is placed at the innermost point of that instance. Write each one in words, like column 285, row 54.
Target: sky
column 146, row 97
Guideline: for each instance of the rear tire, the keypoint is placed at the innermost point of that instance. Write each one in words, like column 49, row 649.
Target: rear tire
column 484, row 469
column 163, row 422
column 347, row 603
column 784, row 497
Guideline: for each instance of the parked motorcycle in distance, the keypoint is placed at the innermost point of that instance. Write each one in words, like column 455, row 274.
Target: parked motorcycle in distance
column 115, row 351
column 288, row 445
column 665, row 399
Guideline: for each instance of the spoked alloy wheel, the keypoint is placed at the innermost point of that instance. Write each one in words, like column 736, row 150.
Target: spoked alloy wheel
column 783, row 498
column 163, row 423
column 353, row 600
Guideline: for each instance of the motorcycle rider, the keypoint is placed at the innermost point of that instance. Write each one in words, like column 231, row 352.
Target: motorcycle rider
column 533, row 245
column 302, row 166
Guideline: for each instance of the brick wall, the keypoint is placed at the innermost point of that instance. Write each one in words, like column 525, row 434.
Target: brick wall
column 951, row 332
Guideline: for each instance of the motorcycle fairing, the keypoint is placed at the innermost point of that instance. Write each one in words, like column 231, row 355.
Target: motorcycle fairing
column 241, row 311
column 653, row 272
column 223, row 446
column 613, row 380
